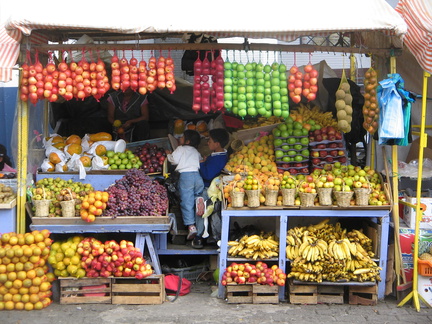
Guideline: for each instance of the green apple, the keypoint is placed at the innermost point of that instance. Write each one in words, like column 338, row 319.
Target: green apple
column 285, row 147
column 259, row 75
column 275, row 66
column 267, row 68
column 267, row 77
column 248, row 67
column 240, row 67
column 228, row 74
column 277, row 112
column 276, row 132
column 228, row 81
column 305, row 152
column 235, row 79
column 242, row 112
column 261, row 110
column 268, row 106
column 250, row 75
column 275, row 89
column 128, row 166
column 292, row 153
column 234, row 110
column 282, row 68
column 241, row 97
column 275, row 75
column 110, row 154
column 227, row 96
column 268, row 98
column 250, row 89
column 283, row 77
column 227, row 65
column 249, row 96
column 283, row 91
column 241, row 82
column 241, row 89
column 286, row 159
column 251, row 104
column 298, row 146
column 304, row 141
column 250, row 82
column 228, row 88
column 241, row 75
column 260, row 82
column 259, row 67
column 279, row 153
column 251, row 111
column 267, row 91
column 277, row 105
column 228, row 104
column 276, row 96
column 268, row 114
column 242, row 105
column 259, row 96
column 259, row 105
column 285, row 114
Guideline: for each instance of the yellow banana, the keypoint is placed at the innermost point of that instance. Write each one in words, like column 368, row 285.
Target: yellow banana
column 361, row 271
column 305, row 253
column 233, row 243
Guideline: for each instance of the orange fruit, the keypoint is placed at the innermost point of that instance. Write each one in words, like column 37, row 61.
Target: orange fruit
column 73, row 139
column 34, row 298
column 19, row 305
column 9, row 305
column 74, row 149
column 28, row 306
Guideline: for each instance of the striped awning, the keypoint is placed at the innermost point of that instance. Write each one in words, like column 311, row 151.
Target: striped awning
column 9, row 51
column 282, row 20
column 418, row 39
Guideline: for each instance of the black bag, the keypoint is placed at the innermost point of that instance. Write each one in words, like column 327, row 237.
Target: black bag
column 190, row 56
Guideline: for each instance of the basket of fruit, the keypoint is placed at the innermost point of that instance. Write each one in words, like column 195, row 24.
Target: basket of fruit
column 237, row 194
column 325, row 184
column 288, row 190
column 343, row 196
column 307, row 191
column 271, row 191
column 68, row 204
column 362, row 191
column 41, row 203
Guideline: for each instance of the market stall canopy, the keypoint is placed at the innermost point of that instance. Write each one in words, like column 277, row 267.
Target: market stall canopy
column 418, row 39
column 282, row 20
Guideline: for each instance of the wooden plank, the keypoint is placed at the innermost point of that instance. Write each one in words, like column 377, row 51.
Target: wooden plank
column 239, row 294
column 132, row 291
column 366, row 296
column 311, row 299
column 79, row 291
column 330, row 295
column 8, row 205
column 265, row 294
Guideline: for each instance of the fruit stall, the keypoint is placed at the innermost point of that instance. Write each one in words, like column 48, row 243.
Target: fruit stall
column 282, row 176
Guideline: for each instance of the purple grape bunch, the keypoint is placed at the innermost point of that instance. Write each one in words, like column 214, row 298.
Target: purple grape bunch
column 136, row 194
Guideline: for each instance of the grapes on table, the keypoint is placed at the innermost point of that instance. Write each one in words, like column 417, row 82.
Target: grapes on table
column 136, row 194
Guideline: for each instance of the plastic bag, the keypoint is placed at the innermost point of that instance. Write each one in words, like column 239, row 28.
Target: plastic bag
column 174, row 287
column 391, row 121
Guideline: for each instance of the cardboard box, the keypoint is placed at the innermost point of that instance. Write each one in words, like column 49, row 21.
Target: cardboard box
column 406, row 238
column 424, row 287
column 409, row 215
column 413, row 153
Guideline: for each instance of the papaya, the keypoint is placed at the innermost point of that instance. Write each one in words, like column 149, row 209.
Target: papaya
column 60, row 145
column 179, row 126
column 86, row 161
column 73, row 139
column 52, row 167
column 74, row 149
column 100, row 150
column 57, row 139
column 101, row 136
column 54, row 158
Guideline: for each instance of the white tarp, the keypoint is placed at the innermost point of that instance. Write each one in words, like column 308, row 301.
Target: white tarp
column 282, row 20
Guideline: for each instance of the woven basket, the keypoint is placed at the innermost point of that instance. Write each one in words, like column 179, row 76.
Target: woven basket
column 288, row 197
column 362, row 196
column 343, row 198
column 325, row 196
column 42, row 206
column 253, row 198
column 307, row 199
column 271, row 197
column 237, row 199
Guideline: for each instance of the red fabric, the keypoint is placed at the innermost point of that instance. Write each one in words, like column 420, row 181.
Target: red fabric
column 172, row 284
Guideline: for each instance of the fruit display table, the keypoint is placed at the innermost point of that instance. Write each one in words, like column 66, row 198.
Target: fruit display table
column 377, row 214
column 8, row 217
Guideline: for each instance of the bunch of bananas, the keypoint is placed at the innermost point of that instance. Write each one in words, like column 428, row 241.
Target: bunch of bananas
column 324, row 252
column 315, row 113
column 263, row 246
column 261, row 121
column 364, row 240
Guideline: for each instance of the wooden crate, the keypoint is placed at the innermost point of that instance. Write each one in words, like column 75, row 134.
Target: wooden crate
column 363, row 295
column 265, row 294
column 330, row 294
column 303, row 294
column 239, row 294
column 132, row 291
column 85, row 290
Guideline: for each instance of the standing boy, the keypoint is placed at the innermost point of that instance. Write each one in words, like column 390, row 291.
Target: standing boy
column 190, row 184
column 210, row 167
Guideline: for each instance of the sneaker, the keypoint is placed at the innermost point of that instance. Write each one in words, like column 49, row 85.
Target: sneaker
column 197, row 243
column 200, row 206
column 192, row 232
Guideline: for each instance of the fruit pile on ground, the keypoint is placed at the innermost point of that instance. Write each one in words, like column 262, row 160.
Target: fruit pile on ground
column 65, row 259
column 325, row 252
column 25, row 280
column 57, row 190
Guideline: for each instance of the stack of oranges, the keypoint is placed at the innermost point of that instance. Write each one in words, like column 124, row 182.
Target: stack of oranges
column 93, row 204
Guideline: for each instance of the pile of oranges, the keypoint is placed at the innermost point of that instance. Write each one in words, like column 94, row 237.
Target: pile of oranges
column 93, row 204
column 25, row 282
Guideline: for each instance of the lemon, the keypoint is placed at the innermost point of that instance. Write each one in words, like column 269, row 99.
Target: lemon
column 117, row 123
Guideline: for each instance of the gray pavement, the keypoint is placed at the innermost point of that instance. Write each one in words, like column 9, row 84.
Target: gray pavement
column 200, row 307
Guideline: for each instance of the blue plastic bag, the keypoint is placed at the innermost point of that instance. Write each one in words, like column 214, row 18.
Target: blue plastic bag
column 391, row 112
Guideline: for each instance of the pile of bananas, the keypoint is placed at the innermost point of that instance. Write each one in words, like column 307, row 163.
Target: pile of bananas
column 263, row 246
column 315, row 113
column 261, row 121
column 326, row 252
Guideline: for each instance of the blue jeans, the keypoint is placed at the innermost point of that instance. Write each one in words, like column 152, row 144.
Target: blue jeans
column 190, row 187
